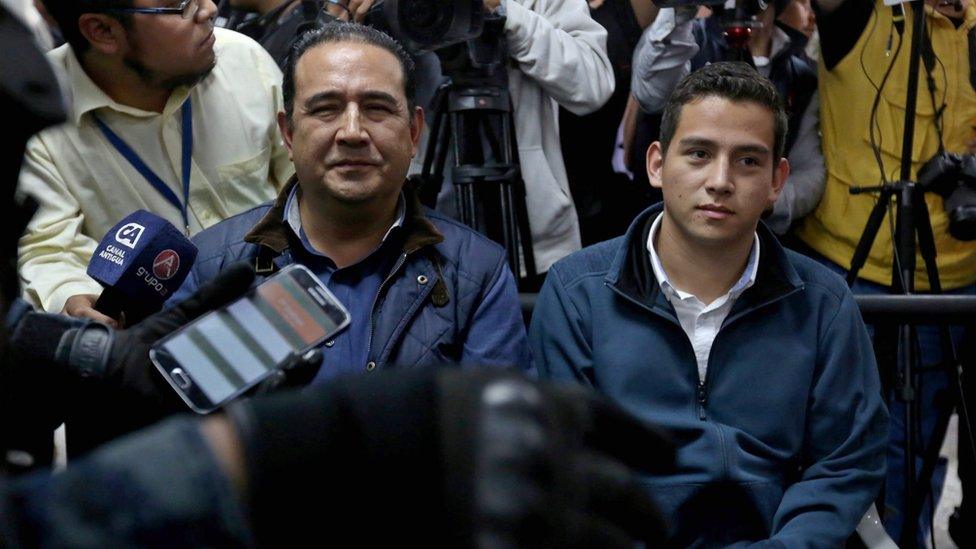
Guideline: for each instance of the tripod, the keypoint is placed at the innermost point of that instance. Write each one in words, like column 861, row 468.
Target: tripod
column 912, row 219
column 473, row 120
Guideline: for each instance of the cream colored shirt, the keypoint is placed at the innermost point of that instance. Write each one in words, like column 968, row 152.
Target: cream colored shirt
column 84, row 185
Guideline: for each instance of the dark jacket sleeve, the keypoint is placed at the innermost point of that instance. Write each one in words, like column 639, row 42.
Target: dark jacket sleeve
column 843, row 464
column 841, row 28
column 160, row 487
column 496, row 335
column 559, row 335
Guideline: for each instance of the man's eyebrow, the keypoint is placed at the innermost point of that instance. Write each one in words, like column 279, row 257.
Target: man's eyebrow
column 705, row 142
column 373, row 95
column 754, row 149
column 696, row 142
column 380, row 95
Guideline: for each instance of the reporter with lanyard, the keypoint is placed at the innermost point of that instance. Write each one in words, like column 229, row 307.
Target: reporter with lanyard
column 167, row 114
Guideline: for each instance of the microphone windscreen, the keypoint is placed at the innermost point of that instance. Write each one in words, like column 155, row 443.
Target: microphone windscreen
column 141, row 261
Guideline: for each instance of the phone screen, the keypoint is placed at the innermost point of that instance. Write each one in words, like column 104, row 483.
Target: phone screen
column 227, row 351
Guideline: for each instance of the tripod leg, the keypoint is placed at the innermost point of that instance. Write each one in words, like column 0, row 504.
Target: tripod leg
column 950, row 363
column 867, row 237
column 432, row 175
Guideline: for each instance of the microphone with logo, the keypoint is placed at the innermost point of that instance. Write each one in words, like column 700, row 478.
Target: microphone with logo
column 140, row 262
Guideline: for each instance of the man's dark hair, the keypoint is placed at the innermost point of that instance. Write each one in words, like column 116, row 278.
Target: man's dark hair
column 67, row 12
column 734, row 81
column 348, row 32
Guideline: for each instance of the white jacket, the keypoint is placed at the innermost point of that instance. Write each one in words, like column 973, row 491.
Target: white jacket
column 558, row 57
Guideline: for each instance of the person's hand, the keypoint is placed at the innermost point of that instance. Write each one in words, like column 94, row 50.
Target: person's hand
column 83, row 306
column 492, row 5
column 297, row 371
column 346, row 10
column 953, row 9
column 129, row 366
column 450, row 457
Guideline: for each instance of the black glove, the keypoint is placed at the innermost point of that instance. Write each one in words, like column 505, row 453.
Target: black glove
column 118, row 389
column 448, row 458
column 120, row 358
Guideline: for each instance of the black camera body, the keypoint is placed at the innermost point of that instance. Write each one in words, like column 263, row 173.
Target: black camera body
column 428, row 25
column 953, row 177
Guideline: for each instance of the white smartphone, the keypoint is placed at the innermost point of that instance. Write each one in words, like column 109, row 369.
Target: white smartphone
column 222, row 354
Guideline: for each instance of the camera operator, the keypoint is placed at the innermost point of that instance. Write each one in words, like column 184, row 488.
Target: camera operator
column 863, row 78
column 557, row 57
column 678, row 43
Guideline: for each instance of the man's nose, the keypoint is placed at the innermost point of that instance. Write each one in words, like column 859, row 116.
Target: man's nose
column 206, row 11
column 720, row 177
column 351, row 131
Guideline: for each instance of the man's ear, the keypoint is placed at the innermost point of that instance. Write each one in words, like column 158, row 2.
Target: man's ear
column 284, row 126
column 655, row 164
column 416, row 128
column 780, row 173
column 105, row 34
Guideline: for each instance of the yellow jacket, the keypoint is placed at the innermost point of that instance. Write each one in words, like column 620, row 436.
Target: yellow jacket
column 846, row 97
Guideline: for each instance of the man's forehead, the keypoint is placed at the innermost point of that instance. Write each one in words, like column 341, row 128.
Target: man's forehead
column 350, row 66
column 738, row 123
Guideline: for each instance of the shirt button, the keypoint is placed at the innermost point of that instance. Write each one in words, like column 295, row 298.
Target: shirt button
column 330, row 343
column 370, row 366
column 421, row 280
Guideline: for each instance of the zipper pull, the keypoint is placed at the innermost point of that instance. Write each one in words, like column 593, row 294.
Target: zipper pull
column 701, row 400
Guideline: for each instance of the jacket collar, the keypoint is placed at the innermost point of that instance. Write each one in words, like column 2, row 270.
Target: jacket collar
column 632, row 275
column 272, row 232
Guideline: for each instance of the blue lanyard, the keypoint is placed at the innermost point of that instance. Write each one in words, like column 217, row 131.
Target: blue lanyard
column 126, row 151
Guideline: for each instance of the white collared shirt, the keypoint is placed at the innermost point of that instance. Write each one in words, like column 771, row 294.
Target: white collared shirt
column 701, row 321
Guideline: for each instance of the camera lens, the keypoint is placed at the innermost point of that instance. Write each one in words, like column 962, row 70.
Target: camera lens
column 426, row 21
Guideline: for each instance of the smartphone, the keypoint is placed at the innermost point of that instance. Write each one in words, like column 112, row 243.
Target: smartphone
column 222, row 354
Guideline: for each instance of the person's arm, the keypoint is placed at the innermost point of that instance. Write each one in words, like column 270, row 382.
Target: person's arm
column 644, row 11
column 559, row 336
column 496, row 335
column 808, row 175
column 53, row 254
column 840, row 24
column 663, row 57
column 843, row 461
column 564, row 50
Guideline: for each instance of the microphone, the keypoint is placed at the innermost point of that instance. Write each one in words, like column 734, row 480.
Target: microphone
column 140, row 262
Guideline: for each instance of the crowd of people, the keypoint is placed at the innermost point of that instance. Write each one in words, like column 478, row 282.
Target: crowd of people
column 687, row 174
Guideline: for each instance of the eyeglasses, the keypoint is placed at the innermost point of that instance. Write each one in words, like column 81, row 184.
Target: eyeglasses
column 186, row 9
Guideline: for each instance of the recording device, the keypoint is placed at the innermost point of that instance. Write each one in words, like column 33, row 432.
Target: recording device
column 737, row 18
column 953, row 177
column 227, row 351
column 140, row 262
column 428, row 25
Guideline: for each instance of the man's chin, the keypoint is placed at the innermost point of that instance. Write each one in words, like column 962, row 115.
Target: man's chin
column 190, row 79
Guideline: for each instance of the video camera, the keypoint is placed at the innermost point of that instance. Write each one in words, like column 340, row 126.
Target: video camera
column 469, row 43
column 737, row 17
column 428, row 25
column 953, row 177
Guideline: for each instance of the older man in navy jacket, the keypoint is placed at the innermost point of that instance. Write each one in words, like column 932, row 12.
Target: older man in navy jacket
column 698, row 320
column 421, row 288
